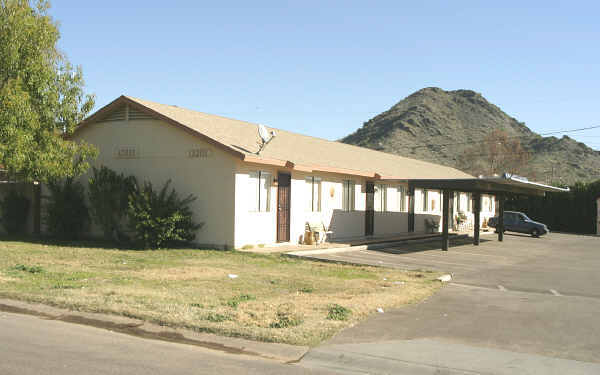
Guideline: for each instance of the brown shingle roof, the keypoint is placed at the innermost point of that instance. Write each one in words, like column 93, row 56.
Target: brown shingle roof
column 287, row 149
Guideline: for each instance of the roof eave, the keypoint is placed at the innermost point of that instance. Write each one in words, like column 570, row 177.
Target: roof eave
column 102, row 112
column 307, row 168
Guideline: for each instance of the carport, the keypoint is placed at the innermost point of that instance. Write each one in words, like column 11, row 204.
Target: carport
column 499, row 186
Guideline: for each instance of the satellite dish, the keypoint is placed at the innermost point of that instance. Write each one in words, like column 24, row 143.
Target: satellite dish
column 265, row 136
column 264, row 133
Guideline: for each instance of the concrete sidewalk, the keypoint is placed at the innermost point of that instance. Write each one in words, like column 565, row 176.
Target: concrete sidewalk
column 435, row 357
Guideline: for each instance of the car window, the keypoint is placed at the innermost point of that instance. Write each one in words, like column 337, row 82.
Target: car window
column 522, row 217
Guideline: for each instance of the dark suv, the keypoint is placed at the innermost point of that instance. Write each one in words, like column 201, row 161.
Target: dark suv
column 519, row 222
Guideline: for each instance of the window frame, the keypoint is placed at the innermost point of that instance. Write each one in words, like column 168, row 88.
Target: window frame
column 348, row 196
column 469, row 202
column 382, row 188
column 401, row 189
column 312, row 180
column 425, row 200
column 257, row 207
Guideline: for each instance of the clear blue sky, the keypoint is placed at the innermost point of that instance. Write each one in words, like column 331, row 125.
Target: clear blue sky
column 323, row 70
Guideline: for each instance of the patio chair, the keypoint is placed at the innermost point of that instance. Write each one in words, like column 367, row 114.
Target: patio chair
column 319, row 231
column 431, row 225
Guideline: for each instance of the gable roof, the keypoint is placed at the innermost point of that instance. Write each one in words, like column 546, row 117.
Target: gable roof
column 286, row 149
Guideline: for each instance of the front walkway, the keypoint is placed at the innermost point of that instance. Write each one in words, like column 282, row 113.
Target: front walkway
column 345, row 243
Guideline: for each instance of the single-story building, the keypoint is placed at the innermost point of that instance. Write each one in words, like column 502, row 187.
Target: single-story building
column 253, row 193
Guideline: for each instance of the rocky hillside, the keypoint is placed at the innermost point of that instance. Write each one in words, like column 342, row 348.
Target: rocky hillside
column 437, row 125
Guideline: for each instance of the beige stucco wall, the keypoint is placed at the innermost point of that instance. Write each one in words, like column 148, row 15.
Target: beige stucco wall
column 163, row 153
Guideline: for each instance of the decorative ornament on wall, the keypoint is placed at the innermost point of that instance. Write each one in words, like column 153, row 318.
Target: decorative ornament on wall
column 332, row 192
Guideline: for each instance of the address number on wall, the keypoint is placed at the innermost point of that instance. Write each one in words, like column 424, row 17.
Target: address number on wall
column 127, row 152
column 199, row 153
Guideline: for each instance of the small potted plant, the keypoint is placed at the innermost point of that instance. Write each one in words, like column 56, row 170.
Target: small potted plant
column 461, row 218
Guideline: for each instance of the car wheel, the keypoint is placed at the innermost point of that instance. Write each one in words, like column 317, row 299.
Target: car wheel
column 535, row 232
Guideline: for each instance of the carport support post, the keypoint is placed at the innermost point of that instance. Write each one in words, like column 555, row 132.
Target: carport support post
column 476, row 217
column 445, row 221
column 411, row 208
column 500, row 224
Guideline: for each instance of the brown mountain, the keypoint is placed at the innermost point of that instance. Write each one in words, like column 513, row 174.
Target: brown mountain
column 439, row 126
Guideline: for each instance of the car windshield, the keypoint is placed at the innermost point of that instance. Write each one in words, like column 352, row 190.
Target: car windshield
column 524, row 217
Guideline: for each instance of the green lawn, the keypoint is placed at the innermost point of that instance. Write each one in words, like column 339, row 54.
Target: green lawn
column 274, row 298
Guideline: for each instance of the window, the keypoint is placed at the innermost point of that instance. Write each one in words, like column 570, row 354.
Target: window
column 348, row 196
column 260, row 191
column 425, row 202
column 489, row 204
column 401, row 198
column 380, row 197
column 313, row 194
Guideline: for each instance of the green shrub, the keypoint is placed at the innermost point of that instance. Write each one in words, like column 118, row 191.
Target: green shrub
column 66, row 215
column 217, row 318
column 235, row 301
column 109, row 194
column 160, row 219
column 14, row 209
column 30, row 269
column 338, row 312
column 286, row 317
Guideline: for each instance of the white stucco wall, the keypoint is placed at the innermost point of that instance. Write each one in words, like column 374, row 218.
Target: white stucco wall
column 253, row 228
column 163, row 153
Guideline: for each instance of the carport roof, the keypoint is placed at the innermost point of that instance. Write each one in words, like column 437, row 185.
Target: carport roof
column 506, row 183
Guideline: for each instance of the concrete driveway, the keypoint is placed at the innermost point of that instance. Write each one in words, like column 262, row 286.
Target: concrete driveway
column 527, row 305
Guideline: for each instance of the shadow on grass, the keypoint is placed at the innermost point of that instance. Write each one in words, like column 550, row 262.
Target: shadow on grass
column 91, row 243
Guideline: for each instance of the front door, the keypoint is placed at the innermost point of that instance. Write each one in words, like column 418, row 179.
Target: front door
column 370, row 209
column 283, row 207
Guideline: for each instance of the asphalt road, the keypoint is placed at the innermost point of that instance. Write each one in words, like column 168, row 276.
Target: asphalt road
column 526, row 305
column 33, row 346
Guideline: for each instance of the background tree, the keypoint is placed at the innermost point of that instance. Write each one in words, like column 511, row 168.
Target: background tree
column 41, row 96
column 496, row 154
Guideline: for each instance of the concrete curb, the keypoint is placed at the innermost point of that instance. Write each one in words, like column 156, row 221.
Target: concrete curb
column 140, row 328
